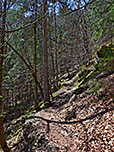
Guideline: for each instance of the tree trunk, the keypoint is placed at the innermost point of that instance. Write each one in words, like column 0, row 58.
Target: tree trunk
column 2, row 51
column 52, row 62
column 45, row 57
column 56, row 55
column 35, row 58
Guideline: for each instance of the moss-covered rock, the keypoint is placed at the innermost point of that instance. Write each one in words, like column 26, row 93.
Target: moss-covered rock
column 106, row 51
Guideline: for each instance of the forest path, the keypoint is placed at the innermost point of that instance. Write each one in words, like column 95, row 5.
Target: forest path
column 96, row 130
column 84, row 124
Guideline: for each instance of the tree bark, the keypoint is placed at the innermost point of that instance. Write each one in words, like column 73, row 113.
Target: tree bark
column 45, row 57
column 52, row 62
column 56, row 55
column 2, row 51
column 35, row 57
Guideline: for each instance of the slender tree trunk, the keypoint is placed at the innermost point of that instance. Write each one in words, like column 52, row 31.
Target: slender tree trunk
column 56, row 55
column 35, row 57
column 2, row 138
column 21, row 95
column 2, row 51
column 45, row 57
column 40, row 31
column 52, row 62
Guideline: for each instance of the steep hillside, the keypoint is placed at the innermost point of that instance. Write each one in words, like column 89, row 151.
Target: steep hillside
column 80, row 118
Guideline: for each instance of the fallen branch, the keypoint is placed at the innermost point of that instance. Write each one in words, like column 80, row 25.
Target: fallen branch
column 73, row 122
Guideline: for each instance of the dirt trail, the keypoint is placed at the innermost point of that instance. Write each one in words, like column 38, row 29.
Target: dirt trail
column 91, row 128
column 94, row 133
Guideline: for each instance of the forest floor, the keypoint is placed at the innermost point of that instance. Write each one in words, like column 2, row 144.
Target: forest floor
column 80, row 123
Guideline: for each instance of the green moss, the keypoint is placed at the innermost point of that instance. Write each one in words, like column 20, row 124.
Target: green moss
column 62, row 80
column 106, row 51
column 36, row 137
column 58, row 91
column 104, row 65
column 54, row 94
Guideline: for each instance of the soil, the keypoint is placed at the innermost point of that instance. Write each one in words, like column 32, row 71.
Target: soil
column 85, row 123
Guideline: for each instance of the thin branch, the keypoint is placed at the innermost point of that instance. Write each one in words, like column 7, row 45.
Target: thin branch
column 79, row 8
column 20, row 56
column 5, row 42
column 29, row 67
column 23, row 27
column 6, row 9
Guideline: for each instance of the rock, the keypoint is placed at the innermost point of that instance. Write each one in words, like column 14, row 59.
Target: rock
column 72, row 98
